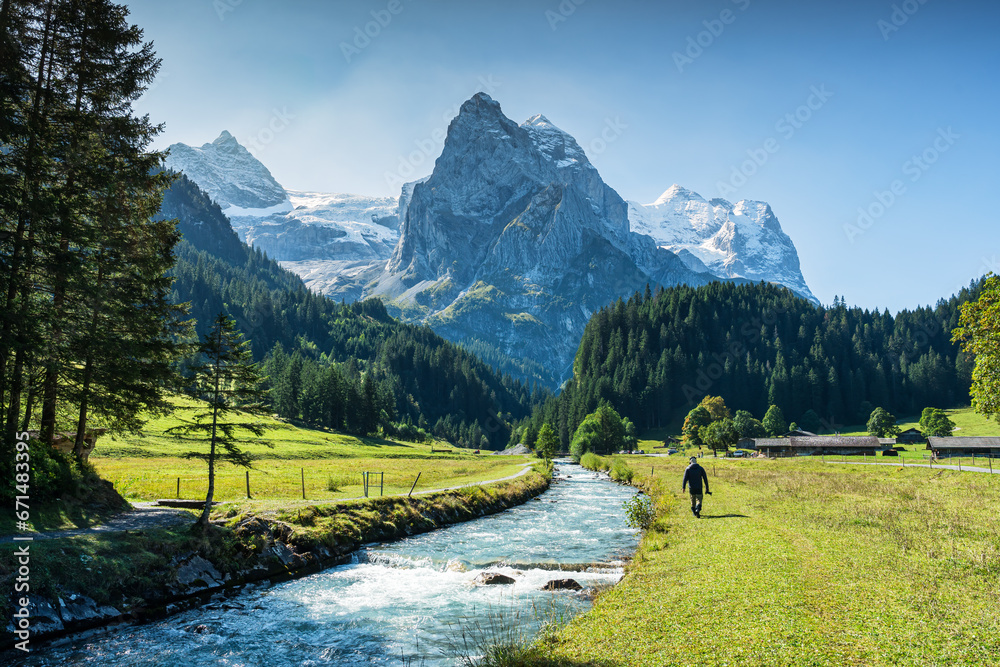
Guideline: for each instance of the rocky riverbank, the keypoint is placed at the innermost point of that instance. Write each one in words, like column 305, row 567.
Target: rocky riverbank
column 90, row 583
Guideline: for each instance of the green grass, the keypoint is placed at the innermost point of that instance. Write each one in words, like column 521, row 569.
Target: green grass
column 797, row 562
column 147, row 467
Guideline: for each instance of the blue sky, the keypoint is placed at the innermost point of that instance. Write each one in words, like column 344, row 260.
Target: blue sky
column 826, row 110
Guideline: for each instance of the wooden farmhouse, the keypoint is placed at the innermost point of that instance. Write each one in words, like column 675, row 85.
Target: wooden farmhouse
column 911, row 436
column 818, row 445
column 964, row 446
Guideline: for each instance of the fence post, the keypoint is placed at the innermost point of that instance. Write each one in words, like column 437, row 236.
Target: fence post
column 178, row 488
column 303, row 472
column 248, row 483
column 381, row 484
column 414, row 485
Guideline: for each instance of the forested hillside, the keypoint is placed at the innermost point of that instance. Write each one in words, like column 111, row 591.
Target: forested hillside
column 655, row 356
column 346, row 366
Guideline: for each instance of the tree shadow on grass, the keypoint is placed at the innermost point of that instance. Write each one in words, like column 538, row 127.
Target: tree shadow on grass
column 725, row 516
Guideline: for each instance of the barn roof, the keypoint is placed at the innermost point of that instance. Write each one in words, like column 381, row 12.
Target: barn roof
column 963, row 442
column 819, row 442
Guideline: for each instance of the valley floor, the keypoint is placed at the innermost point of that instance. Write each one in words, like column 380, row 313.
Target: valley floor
column 796, row 562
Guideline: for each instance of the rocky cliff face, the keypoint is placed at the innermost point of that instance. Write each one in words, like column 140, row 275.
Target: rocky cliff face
column 516, row 240
column 513, row 240
column 741, row 240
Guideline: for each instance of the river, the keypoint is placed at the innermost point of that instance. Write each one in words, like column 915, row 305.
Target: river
column 409, row 602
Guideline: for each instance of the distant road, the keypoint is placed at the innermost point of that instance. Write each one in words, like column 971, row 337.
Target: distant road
column 922, row 465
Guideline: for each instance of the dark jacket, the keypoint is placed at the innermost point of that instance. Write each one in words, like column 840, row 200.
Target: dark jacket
column 693, row 476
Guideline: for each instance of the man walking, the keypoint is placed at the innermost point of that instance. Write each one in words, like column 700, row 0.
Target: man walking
column 693, row 477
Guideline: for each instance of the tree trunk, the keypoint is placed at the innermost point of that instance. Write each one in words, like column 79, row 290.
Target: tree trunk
column 50, row 386
column 203, row 519
column 29, row 403
column 88, row 377
column 29, row 194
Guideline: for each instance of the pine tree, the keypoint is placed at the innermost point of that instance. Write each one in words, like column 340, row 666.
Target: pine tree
column 79, row 252
column 226, row 378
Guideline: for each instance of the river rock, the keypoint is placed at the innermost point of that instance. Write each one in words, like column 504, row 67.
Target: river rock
column 43, row 615
column 493, row 579
column 457, row 565
column 197, row 572
column 79, row 611
column 562, row 585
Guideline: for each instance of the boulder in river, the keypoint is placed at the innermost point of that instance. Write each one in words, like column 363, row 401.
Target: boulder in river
column 562, row 585
column 493, row 579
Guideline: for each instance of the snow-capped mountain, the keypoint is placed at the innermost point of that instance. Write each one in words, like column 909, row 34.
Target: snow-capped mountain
column 325, row 238
column 515, row 240
column 238, row 182
column 741, row 240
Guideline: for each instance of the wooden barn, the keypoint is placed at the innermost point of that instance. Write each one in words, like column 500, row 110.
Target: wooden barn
column 818, row 445
column 911, row 436
column 964, row 446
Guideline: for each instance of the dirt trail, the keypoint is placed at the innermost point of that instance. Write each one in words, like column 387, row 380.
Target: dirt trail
column 148, row 515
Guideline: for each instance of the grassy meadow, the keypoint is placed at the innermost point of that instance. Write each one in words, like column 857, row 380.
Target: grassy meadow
column 800, row 562
column 147, row 466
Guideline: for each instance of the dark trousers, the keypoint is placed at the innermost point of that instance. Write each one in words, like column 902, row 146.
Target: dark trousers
column 696, row 499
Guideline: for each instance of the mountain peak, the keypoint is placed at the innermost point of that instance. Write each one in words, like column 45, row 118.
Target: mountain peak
column 481, row 105
column 675, row 191
column 230, row 174
column 538, row 120
column 225, row 138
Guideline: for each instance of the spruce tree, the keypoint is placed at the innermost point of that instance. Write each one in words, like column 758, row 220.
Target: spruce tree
column 224, row 377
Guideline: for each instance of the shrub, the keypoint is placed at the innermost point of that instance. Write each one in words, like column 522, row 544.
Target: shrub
column 620, row 470
column 639, row 512
column 52, row 474
column 592, row 461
